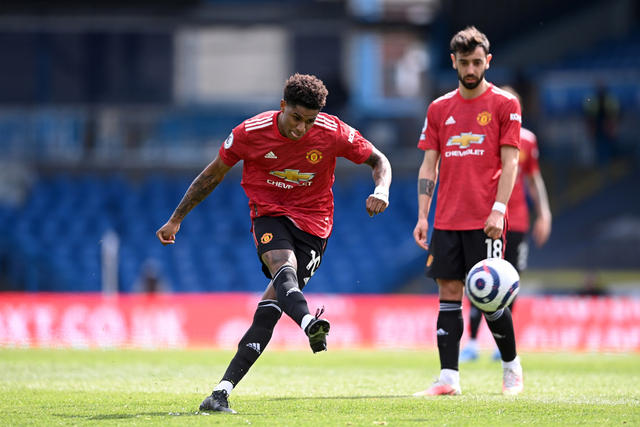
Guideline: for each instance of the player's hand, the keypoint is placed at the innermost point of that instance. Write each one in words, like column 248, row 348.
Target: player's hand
column 167, row 234
column 377, row 203
column 494, row 225
column 541, row 231
column 420, row 233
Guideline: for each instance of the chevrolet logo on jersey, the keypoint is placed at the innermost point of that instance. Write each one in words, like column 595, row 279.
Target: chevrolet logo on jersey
column 294, row 175
column 465, row 140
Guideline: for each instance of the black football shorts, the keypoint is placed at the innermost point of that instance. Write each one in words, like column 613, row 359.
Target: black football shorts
column 517, row 250
column 452, row 253
column 279, row 232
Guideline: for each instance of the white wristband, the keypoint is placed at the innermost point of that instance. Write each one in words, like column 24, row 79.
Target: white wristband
column 384, row 191
column 500, row 207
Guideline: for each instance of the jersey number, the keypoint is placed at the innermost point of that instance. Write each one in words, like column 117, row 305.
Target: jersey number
column 314, row 263
column 494, row 248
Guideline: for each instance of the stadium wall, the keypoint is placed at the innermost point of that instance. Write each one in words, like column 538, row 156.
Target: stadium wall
column 218, row 321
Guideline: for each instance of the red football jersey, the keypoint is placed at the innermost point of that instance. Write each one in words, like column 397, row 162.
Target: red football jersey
column 527, row 166
column 289, row 178
column 468, row 133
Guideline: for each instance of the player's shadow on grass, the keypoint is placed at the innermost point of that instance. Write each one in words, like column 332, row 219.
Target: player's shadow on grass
column 141, row 415
column 338, row 397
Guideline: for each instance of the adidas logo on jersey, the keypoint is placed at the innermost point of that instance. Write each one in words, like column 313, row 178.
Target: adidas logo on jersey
column 450, row 121
column 255, row 346
column 441, row 332
column 270, row 155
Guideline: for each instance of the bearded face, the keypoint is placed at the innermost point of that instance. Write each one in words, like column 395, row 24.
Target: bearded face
column 471, row 67
column 470, row 81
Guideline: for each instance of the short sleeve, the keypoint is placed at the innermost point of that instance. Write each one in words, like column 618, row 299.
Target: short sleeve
column 429, row 136
column 531, row 165
column 511, row 121
column 231, row 151
column 352, row 145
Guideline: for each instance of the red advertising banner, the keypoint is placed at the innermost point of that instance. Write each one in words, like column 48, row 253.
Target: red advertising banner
column 357, row 321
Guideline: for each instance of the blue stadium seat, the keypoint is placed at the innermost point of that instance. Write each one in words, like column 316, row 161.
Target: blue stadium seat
column 65, row 218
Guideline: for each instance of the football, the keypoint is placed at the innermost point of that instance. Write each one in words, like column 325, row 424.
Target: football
column 492, row 284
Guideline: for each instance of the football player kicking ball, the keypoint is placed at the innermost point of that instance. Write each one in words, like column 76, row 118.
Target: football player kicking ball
column 529, row 181
column 471, row 140
column 289, row 162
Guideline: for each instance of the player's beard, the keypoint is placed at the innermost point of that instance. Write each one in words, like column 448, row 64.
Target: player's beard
column 473, row 85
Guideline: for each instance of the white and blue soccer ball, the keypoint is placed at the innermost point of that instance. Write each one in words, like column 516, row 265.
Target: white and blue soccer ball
column 492, row 284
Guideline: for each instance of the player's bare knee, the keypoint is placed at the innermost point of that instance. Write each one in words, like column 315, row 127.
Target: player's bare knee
column 450, row 290
column 276, row 259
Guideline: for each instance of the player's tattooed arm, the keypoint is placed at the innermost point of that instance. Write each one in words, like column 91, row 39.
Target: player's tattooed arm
column 381, row 168
column 426, row 186
column 200, row 188
column 378, row 201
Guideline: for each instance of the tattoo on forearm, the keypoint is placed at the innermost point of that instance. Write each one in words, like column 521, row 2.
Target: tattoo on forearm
column 426, row 186
column 379, row 173
column 197, row 192
column 380, row 169
column 372, row 160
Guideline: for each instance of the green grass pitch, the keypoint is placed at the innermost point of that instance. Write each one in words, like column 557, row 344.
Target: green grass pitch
column 338, row 388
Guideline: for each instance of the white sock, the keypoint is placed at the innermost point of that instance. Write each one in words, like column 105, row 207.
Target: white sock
column 306, row 320
column 472, row 344
column 450, row 376
column 224, row 385
column 511, row 365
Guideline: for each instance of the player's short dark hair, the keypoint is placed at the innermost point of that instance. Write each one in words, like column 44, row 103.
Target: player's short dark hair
column 467, row 40
column 306, row 91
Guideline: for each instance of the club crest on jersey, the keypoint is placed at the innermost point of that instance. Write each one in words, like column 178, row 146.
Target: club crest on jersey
column 484, row 118
column 314, row 157
column 294, row 176
column 266, row 238
column 228, row 142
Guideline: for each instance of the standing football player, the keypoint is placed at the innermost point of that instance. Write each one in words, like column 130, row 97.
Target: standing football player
column 529, row 181
column 289, row 162
column 471, row 140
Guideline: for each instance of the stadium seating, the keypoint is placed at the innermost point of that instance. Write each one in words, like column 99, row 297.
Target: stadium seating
column 564, row 85
column 59, row 232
